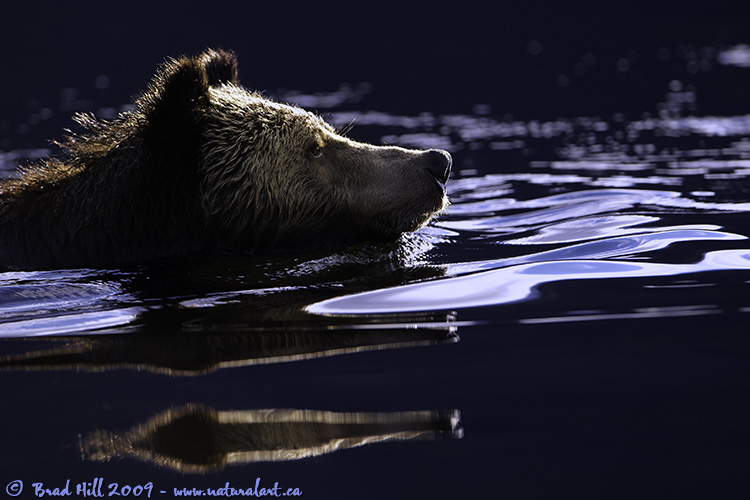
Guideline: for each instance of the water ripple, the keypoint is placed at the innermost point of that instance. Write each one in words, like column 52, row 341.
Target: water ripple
column 59, row 302
column 514, row 283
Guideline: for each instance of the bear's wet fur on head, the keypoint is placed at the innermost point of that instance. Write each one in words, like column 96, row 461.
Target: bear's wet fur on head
column 204, row 165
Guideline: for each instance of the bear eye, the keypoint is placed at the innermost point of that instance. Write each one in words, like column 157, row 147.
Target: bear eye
column 315, row 151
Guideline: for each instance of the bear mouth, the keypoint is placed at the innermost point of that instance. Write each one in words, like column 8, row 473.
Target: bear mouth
column 437, row 182
column 384, row 226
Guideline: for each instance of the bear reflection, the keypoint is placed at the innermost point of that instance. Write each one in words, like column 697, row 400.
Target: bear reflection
column 199, row 439
column 186, row 352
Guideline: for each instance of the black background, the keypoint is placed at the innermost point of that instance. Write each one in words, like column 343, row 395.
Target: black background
column 419, row 56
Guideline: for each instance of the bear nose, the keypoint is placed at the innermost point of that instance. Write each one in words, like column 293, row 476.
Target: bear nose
column 439, row 164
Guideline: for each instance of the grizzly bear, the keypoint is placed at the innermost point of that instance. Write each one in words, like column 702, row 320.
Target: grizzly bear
column 204, row 165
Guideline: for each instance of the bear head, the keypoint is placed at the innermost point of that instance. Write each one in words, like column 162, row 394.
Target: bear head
column 202, row 164
column 276, row 177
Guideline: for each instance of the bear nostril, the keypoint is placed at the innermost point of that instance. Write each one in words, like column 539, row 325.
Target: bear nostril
column 439, row 164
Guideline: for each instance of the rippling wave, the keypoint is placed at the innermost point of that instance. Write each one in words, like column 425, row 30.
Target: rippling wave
column 534, row 203
column 592, row 234
column 60, row 302
column 515, row 283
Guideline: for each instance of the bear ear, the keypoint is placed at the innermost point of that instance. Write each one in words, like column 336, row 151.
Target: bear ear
column 175, row 93
column 220, row 67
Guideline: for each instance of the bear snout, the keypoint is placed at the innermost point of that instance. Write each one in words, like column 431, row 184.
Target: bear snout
column 438, row 164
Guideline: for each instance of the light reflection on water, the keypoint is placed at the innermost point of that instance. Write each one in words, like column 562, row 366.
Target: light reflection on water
column 514, row 283
column 60, row 302
column 738, row 55
column 589, row 229
column 593, row 234
column 642, row 195
column 177, row 437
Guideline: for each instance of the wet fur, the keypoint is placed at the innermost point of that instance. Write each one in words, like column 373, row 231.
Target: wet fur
column 203, row 165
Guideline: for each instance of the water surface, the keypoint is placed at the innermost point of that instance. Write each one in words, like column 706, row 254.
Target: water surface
column 579, row 315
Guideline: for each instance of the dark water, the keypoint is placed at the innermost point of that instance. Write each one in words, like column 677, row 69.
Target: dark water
column 574, row 327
